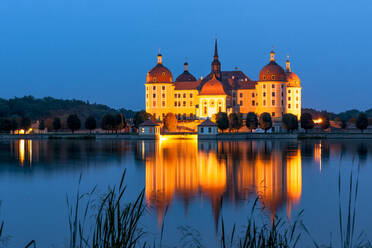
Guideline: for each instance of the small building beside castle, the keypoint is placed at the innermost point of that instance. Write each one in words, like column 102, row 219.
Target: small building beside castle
column 277, row 91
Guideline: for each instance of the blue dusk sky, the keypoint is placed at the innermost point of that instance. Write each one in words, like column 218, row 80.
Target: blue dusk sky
column 101, row 50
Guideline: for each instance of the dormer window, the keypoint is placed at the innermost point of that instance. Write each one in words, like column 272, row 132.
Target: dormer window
column 273, row 77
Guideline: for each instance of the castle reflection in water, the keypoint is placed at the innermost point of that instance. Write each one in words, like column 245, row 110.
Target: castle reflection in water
column 192, row 170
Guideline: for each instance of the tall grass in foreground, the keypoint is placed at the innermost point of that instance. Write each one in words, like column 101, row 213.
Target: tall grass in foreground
column 116, row 224
column 278, row 234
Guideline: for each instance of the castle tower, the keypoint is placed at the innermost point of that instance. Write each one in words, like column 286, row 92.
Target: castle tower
column 216, row 65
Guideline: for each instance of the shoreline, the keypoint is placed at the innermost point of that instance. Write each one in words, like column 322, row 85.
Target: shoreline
column 220, row 136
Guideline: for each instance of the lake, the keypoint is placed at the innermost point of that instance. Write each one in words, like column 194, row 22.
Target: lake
column 188, row 184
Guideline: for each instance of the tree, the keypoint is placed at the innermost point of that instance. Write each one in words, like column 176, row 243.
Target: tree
column 14, row 125
column 252, row 121
column 73, row 122
column 290, row 122
column 170, row 122
column 25, row 123
column 325, row 122
column 57, row 124
column 118, row 122
column 265, row 121
column 90, row 123
column 5, row 125
column 222, row 121
column 307, row 121
column 140, row 117
column 108, row 122
column 235, row 121
column 362, row 122
column 343, row 124
column 41, row 125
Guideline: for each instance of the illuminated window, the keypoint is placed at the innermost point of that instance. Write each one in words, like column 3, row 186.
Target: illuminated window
column 273, row 94
column 289, row 106
column 163, row 103
column 154, row 103
column 163, row 95
column 296, row 106
column 296, row 98
column 205, row 110
column 264, row 86
column 241, row 103
column 253, row 103
column 190, row 103
column 162, row 87
column 264, row 102
column 273, row 102
column 296, row 91
column 211, row 103
column 153, row 87
column 219, row 109
column 184, row 103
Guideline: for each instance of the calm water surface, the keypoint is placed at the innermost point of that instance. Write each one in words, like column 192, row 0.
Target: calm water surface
column 186, row 182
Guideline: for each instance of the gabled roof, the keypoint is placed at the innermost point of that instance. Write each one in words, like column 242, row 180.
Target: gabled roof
column 148, row 123
column 189, row 85
column 207, row 122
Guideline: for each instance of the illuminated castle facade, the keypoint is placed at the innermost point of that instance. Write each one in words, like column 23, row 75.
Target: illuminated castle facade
column 277, row 91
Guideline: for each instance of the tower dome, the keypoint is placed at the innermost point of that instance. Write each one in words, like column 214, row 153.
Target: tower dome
column 186, row 76
column 292, row 78
column 160, row 73
column 272, row 71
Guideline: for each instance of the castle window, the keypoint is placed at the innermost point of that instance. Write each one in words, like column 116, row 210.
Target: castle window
column 219, row 109
column 175, row 95
column 241, row 94
column 211, row 103
column 289, row 98
column 179, row 104
column 184, row 95
column 273, row 102
column 163, row 95
column 253, row 103
column 264, row 77
column 289, row 106
column 272, row 77
column 273, row 93
column 154, row 103
column 147, row 95
column 296, row 91
column 264, row 102
column 190, row 95
column 190, row 103
column 179, row 95
column 252, row 94
column 184, row 103
column 205, row 110
column 296, row 106
column 162, row 87
column 273, row 86
column 241, row 103
column 296, row 98
column 153, row 87
column 202, row 129
column 273, row 114
column 264, row 86
column 163, row 103
column 175, row 104
column 147, row 87
column 289, row 91
column 154, row 95
column 264, row 94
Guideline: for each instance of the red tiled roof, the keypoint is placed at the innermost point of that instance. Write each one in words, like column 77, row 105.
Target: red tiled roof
column 159, row 74
column 272, row 72
column 213, row 87
column 188, row 85
column 185, row 77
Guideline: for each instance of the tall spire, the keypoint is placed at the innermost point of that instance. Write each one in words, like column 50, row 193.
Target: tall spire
column 216, row 65
column 215, row 49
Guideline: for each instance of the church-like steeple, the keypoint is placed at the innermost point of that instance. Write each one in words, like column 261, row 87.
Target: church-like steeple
column 216, row 65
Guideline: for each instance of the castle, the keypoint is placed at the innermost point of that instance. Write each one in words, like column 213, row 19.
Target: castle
column 278, row 91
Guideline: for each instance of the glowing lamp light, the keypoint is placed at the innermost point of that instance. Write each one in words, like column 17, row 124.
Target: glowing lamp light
column 318, row 121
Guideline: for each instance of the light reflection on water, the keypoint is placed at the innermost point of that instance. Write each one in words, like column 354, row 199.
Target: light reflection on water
column 189, row 171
